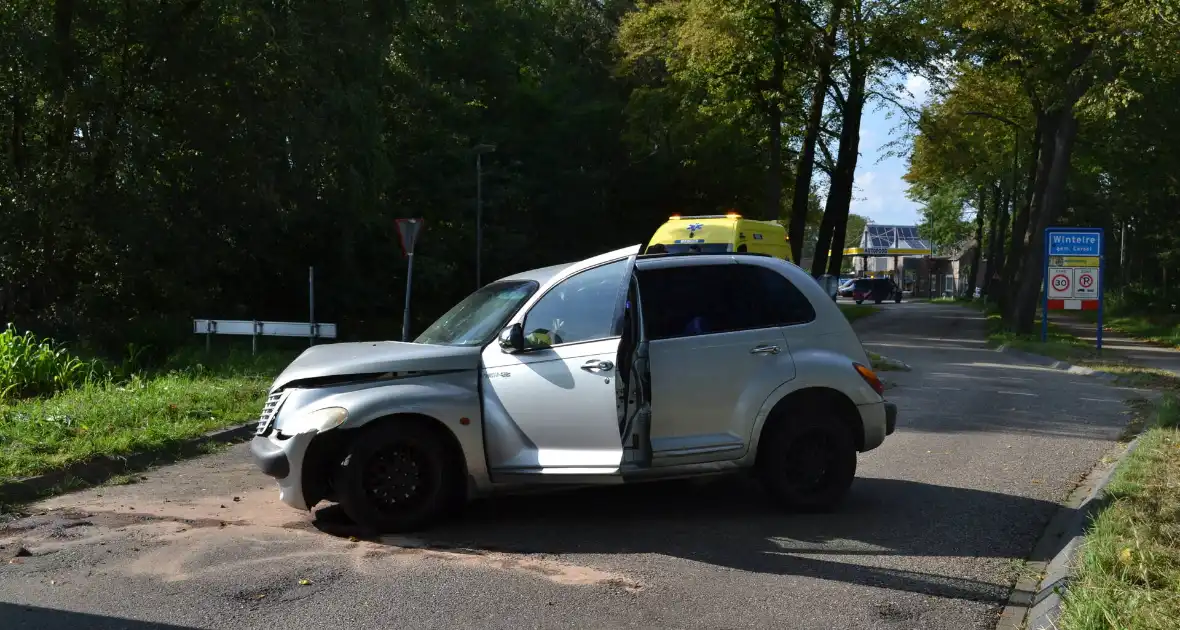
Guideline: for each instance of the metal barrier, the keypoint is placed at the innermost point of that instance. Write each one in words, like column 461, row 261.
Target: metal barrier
column 256, row 329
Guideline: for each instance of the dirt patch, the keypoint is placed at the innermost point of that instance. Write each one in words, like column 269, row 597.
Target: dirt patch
column 552, row 570
column 215, row 519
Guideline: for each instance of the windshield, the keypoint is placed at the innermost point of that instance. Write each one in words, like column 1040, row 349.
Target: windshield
column 480, row 316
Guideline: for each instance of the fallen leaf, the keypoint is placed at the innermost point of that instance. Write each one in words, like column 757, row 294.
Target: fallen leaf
column 353, row 539
column 304, row 582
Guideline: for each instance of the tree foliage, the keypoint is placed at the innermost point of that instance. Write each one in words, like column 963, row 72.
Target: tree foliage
column 193, row 158
column 1063, row 77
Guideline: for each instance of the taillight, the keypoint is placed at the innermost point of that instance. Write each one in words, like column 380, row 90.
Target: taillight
column 870, row 377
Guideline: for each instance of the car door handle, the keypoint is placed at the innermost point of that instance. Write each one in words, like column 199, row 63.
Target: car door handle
column 765, row 350
column 594, row 365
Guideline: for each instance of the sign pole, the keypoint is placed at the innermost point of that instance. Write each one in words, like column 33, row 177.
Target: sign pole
column 1045, row 291
column 311, row 306
column 408, row 230
column 1101, row 297
column 409, row 285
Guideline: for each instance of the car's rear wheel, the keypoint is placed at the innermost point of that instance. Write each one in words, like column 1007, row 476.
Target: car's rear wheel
column 395, row 477
column 860, row 301
column 808, row 463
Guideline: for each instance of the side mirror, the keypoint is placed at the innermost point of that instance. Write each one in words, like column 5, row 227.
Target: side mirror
column 512, row 339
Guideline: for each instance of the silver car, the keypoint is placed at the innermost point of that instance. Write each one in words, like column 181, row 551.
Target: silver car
column 618, row 368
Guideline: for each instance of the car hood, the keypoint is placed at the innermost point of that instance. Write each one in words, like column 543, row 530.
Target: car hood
column 333, row 360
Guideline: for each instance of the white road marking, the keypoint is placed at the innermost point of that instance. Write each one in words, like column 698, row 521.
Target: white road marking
column 1001, row 391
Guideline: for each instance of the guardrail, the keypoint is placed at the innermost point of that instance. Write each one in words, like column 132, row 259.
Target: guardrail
column 256, row 329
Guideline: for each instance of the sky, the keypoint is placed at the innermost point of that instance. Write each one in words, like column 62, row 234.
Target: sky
column 879, row 192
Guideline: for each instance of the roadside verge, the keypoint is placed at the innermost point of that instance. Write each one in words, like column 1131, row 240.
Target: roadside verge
column 106, row 467
column 1079, row 575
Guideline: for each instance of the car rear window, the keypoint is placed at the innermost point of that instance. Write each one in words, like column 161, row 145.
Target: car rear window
column 688, row 248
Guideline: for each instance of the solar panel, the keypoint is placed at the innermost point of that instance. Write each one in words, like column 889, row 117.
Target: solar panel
column 893, row 237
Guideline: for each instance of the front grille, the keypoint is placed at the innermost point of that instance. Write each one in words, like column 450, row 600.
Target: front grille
column 269, row 410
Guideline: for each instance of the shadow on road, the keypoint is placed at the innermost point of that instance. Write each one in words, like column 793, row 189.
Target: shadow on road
column 37, row 618
column 729, row 522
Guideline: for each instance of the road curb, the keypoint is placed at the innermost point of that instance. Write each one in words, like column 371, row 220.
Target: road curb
column 1056, row 364
column 1035, row 600
column 101, row 469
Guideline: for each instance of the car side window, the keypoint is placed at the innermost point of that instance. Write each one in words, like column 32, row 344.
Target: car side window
column 709, row 299
column 582, row 307
column 785, row 304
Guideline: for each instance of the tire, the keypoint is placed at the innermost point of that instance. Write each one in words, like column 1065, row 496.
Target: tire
column 860, row 301
column 877, row 301
column 410, row 453
column 816, row 440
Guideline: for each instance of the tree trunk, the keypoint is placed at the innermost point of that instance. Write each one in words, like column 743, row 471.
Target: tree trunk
column 1001, row 241
column 774, row 119
column 1028, row 289
column 993, row 232
column 840, row 193
column 977, row 255
column 774, row 167
column 1042, row 155
column 839, row 230
column 802, row 194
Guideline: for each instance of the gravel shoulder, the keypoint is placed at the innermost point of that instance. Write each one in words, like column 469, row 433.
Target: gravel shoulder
column 932, row 535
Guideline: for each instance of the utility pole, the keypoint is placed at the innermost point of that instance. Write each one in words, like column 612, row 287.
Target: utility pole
column 480, row 149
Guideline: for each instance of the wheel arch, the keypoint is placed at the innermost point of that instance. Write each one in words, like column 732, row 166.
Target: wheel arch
column 809, row 399
column 329, row 447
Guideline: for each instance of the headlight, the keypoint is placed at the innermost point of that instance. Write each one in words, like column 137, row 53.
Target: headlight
column 318, row 421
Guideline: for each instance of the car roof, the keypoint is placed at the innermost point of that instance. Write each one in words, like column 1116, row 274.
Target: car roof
column 540, row 276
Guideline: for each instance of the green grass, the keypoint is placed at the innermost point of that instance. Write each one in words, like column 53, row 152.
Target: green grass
column 33, row 366
column 1062, row 345
column 1161, row 328
column 43, row 434
column 853, row 312
column 1127, row 575
column 146, row 412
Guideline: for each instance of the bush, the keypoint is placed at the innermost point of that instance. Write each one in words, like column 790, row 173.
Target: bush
column 32, row 366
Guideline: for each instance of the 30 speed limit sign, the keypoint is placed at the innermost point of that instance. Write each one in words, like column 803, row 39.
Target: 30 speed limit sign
column 1061, row 283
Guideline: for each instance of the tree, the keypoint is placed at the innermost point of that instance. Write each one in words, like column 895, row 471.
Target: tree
column 739, row 56
column 1070, row 57
column 881, row 38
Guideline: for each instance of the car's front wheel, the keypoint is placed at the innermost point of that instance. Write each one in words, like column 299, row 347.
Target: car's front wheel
column 808, row 462
column 395, row 477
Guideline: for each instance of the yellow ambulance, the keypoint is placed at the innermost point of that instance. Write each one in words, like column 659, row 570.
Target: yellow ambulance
column 717, row 233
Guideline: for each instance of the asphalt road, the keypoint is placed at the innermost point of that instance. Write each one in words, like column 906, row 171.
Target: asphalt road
column 930, row 537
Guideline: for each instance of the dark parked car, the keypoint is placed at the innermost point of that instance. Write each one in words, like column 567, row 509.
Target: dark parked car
column 876, row 289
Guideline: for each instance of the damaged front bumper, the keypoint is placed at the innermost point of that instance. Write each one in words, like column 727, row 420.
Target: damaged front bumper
column 282, row 457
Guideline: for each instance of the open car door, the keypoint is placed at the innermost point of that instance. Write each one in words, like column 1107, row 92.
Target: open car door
column 550, row 407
